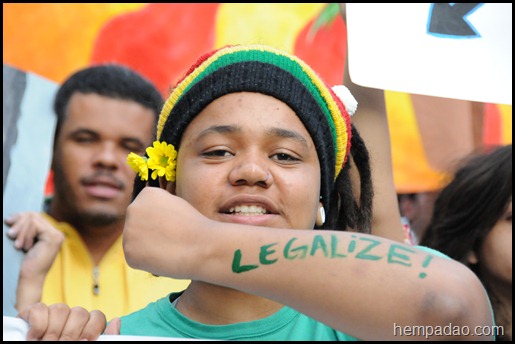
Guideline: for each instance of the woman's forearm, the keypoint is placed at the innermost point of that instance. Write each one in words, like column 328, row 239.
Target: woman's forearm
column 334, row 277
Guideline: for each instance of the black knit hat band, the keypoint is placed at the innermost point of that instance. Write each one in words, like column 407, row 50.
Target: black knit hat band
column 265, row 78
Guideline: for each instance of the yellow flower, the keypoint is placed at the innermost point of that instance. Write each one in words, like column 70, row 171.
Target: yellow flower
column 138, row 164
column 162, row 160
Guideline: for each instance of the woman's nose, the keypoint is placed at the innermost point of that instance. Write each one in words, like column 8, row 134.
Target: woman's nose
column 250, row 173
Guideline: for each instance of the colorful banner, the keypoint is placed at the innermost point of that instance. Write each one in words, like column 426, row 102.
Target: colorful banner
column 161, row 41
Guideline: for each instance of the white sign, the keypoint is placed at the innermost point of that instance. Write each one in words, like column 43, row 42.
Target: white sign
column 15, row 329
column 461, row 51
column 29, row 123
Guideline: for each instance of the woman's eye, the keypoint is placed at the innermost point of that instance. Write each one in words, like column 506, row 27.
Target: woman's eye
column 284, row 157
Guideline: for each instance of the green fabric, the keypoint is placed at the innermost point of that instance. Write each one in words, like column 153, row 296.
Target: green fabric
column 161, row 319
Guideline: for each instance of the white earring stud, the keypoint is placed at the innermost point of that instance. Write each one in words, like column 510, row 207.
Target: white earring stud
column 320, row 216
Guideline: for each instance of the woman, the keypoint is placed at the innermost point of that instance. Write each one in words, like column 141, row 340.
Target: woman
column 253, row 153
column 472, row 223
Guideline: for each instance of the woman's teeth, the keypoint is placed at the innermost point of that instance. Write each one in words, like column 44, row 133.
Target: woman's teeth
column 247, row 210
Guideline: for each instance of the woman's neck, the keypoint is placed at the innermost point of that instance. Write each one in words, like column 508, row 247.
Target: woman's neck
column 501, row 298
column 216, row 305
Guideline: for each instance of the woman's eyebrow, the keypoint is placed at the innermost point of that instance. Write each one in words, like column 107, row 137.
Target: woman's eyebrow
column 219, row 129
column 288, row 134
column 273, row 132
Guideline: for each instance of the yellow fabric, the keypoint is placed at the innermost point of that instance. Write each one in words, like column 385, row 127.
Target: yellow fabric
column 122, row 290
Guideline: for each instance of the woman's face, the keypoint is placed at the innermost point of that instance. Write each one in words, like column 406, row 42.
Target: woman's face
column 231, row 147
column 495, row 256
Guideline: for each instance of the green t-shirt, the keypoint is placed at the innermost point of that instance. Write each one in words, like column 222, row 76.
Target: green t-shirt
column 162, row 319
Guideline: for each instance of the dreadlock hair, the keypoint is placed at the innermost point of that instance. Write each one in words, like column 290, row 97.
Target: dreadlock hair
column 348, row 210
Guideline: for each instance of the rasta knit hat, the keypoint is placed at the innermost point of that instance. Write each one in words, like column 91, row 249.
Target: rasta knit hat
column 266, row 70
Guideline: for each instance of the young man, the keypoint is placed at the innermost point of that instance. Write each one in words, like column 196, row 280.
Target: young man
column 74, row 250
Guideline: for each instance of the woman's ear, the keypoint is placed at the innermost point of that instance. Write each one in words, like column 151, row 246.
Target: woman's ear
column 168, row 186
column 472, row 258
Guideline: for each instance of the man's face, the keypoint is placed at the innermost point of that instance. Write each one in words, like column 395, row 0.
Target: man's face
column 93, row 181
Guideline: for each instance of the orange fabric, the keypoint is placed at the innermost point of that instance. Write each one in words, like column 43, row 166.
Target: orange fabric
column 412, row 172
